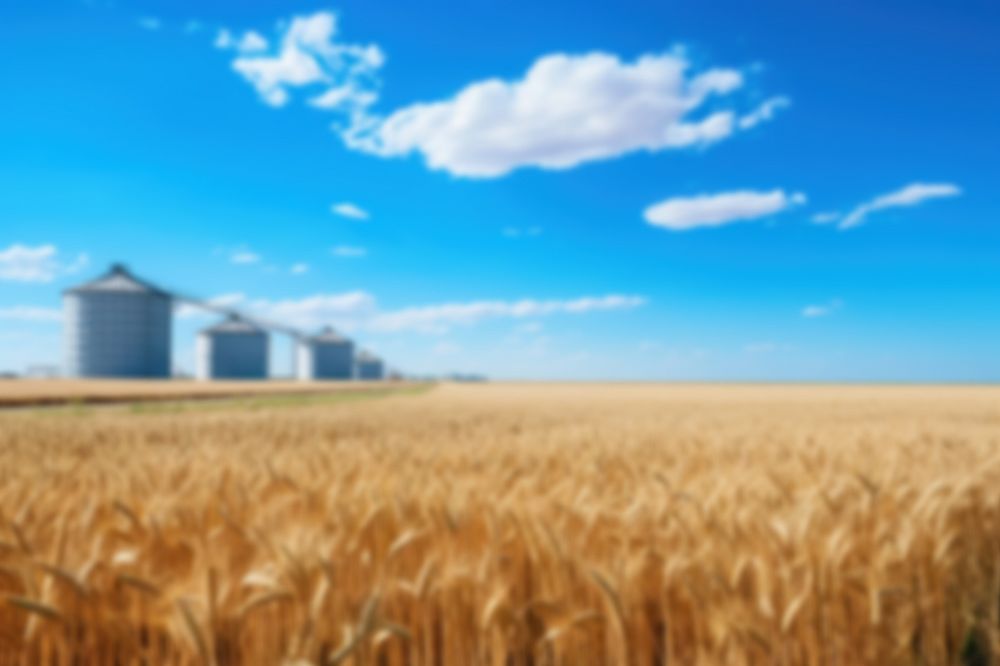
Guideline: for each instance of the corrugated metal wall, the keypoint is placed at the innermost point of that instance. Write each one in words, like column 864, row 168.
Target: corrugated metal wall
column 117, row 334
column 325, row 360
column 236, row 355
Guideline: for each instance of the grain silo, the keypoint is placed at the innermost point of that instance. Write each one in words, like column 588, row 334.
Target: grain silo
column 326, row 355
column 232, row 349
column 369, row 367
column 117, row 326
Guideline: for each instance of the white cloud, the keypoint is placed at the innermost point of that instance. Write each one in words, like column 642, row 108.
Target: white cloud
column 193, row 26
column 252, row 42
column 347, row 209
column 347, row 310
column 30, row 313
column 149, row 23
column 714, row 210
column 359, row 311
column 244, row 257
column 433, row 318
column 349, row 251
column 299, row 269
column 911, row 195
column 21, row 263
column 566, row 110
column 309, row 56
column 825, row 217
column 823, row 310
column 764, row 112
column 224, row 39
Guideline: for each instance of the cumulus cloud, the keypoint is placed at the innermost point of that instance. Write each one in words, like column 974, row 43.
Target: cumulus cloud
column 309, row 57
column 714, row 210
column 349, row 251
column 30, row 313
column 910, row 195
column 566, row 110
column 822, row 310
column 22, row 263
column 347, row 209
column 252, row 42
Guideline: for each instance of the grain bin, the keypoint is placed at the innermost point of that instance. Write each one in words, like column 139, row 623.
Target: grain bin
column 326, row 355
column 369, row 367
column 117, row 326
column 232, row 349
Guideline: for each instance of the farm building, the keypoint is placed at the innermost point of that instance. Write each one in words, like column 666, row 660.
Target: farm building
column 117, row 326
column 327, row 355
column 369, row 367
column 232, row 349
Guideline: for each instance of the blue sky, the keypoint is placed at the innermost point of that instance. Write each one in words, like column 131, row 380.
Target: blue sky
column 603, row 190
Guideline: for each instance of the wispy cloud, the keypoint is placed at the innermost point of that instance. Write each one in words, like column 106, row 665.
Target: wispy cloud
column 23, row 263
column 299, row 269
column 349, row 210
column 193, row 26
column 764, row 112
column 910, row 195
column 518, row 232
column 349, row 251
column 359, row 311
column 30, row 313
column 715, row 210
column 440, row 317
column 244, row 257
column 566, row 110
column 825, row 217
column 149, row 23
column 224, row 39
column 822, row 310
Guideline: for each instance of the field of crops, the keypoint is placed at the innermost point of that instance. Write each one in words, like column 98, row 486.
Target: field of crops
column 602, row 525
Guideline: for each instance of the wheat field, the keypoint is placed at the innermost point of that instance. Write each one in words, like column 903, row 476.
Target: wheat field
column 604, row 525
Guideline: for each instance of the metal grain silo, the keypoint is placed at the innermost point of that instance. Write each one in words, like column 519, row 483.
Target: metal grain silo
column 369, row 367
column 232, row 349
column 325, row 356
column 117, row 326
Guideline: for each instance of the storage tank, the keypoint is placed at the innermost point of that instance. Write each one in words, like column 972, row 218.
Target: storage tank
column 117, row 326
column 326, row 355
column 369, row 367
column 232, row 349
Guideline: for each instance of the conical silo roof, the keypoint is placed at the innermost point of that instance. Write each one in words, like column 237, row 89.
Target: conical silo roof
column 118, row 279
column 233, row 324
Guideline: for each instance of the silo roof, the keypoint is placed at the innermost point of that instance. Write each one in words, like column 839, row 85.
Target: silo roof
column 118, row 279
column 327, row 334
column 234, row 324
